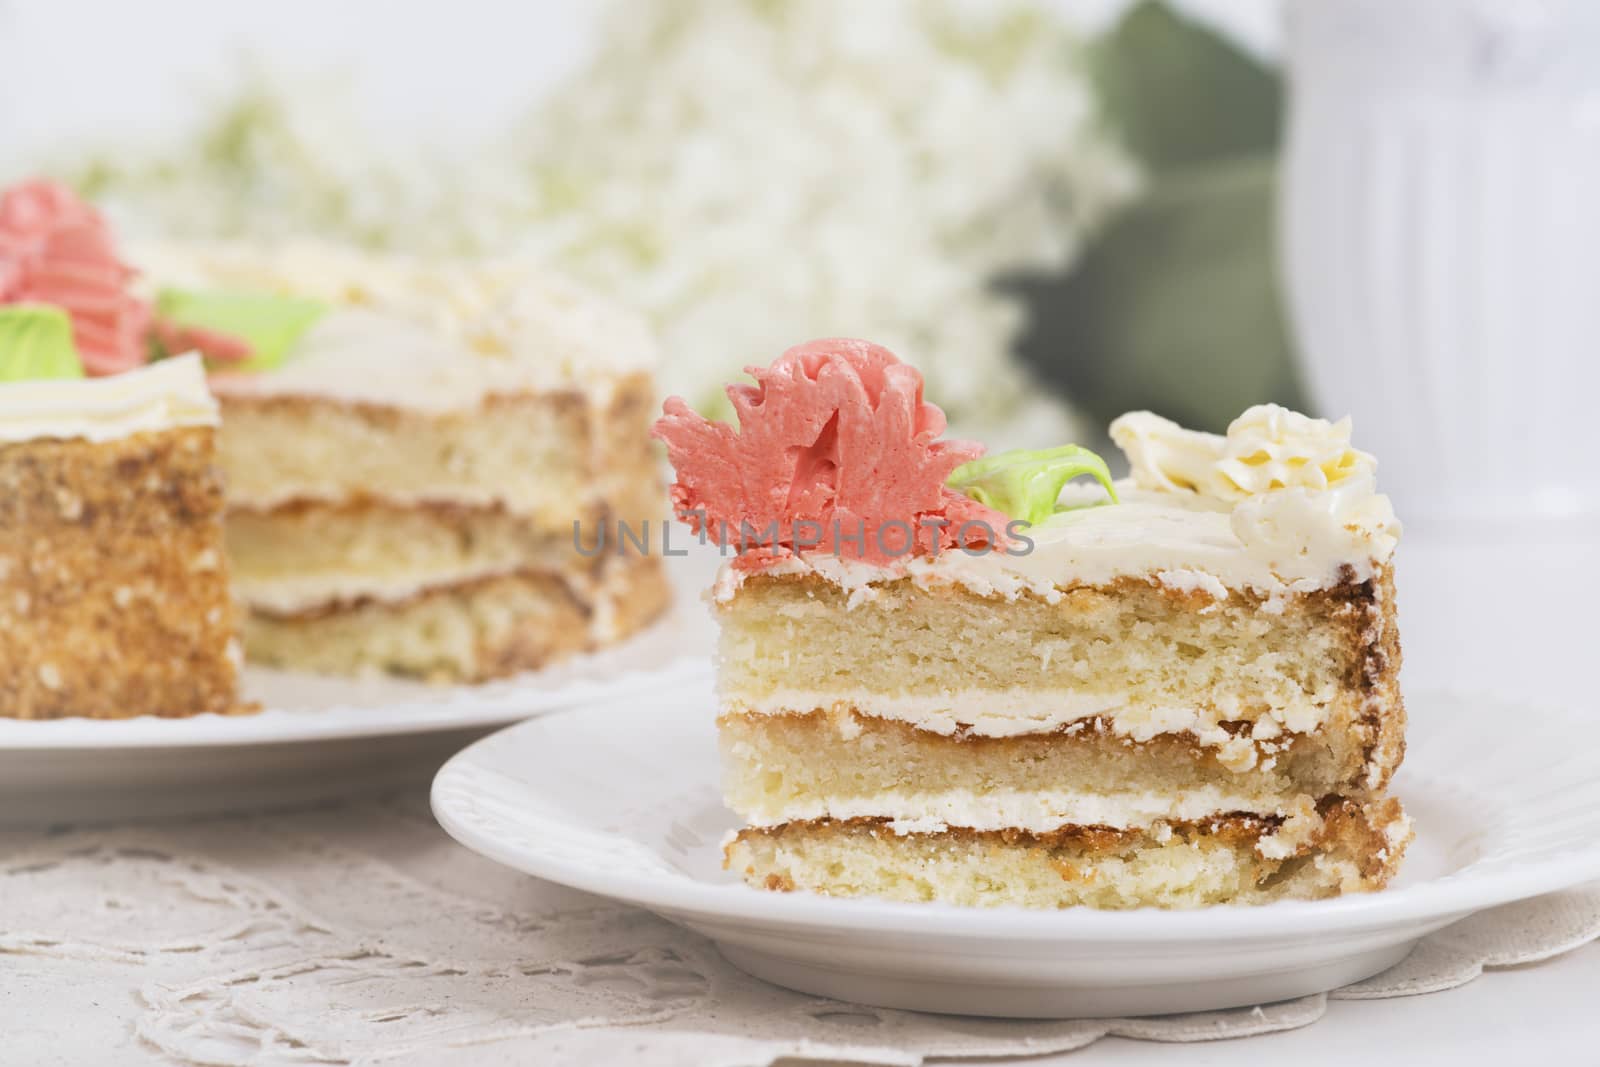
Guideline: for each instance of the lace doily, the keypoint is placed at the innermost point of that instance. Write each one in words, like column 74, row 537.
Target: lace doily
column 360, row 935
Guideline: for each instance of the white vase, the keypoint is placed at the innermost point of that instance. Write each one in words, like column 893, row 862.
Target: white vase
column 1441, row 240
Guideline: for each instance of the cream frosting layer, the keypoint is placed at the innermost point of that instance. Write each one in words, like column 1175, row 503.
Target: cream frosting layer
column 423, row 335
column 1183, row 540
column 1042, row 812
column 162, row 396
column 1033, row 811
column 301, row 593
column 1015, row 713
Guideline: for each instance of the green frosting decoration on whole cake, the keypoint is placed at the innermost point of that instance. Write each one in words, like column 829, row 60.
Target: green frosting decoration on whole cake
column 36, row 342
column 269, row 323
column 1025, row 483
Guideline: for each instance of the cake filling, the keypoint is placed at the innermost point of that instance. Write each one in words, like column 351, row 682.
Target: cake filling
column 847, row 765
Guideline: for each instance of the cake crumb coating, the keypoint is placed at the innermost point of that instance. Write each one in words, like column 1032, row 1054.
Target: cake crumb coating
column 114, row 596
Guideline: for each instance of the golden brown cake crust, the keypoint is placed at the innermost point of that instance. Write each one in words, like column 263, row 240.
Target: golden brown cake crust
column 1378, row 676
column 114, row 595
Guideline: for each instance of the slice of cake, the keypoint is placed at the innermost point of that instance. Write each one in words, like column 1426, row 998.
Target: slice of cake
column 951, row 678
column 114, row 594
column 422, row 460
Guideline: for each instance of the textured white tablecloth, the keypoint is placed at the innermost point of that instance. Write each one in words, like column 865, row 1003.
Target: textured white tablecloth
column 359, row 933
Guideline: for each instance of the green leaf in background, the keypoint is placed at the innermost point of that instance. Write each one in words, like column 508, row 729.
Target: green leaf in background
column 270, row 324
column 36, row 342
column 1177, row 93
column 1174, row 305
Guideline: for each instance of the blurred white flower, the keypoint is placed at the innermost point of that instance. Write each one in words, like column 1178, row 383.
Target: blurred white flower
column 757, row 173
column 748, row 173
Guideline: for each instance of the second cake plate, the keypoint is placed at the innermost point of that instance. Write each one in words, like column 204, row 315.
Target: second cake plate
column 319, row 737
column 622, row 801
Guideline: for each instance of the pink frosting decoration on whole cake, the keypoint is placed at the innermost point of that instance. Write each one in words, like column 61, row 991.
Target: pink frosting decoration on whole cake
column 836, row 451
column 56, row 249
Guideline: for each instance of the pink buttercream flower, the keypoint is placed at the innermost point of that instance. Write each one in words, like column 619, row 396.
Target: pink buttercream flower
column 56, row 249
column 835, row 442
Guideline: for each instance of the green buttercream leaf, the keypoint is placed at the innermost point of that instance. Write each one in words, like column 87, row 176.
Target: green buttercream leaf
column 269, row 323
column 36, row 342
column 1025, row 483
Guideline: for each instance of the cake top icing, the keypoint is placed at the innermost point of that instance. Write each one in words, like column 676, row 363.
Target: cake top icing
column 429, row 335
column 1181, row 540
column 838, row 431
column 166, row 395
column 305, row 319
column 301, row 319
column 836, row 454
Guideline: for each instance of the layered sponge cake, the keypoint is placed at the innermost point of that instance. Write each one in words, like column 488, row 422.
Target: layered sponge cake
column 421, row 458
column 1174, row 690
column 114, row 598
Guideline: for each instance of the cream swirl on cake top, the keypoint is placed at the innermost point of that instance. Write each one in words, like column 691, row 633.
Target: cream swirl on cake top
column 1280, row 504
column 1268, row 447
column 1303, row 499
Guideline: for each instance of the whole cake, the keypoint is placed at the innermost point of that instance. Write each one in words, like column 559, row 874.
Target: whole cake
column 423, row 460
column 426, row 465
column 114, row 596
column 946, row 677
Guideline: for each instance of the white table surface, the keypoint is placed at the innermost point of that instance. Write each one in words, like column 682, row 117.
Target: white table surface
column 1536, row 1015
column 1464, row 623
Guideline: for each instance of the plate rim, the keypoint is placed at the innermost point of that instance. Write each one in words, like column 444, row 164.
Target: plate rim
column 1439, row 900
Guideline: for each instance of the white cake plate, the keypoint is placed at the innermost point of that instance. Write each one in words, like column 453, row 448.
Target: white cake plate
column 320, row 737
column 622, row 801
